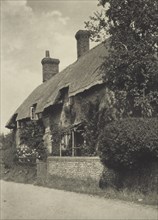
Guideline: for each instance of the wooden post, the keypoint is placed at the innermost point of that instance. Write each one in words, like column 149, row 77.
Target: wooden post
column 73, row 143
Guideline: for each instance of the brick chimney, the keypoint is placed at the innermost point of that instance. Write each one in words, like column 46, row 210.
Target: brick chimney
column 50, row 66
column 82, row 37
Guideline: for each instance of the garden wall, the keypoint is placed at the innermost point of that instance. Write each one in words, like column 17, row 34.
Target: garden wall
column 72, row 167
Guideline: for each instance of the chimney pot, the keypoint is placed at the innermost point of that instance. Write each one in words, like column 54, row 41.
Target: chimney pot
column 47, row 53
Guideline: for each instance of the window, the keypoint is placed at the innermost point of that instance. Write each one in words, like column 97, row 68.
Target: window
column 65, row 145
column 72, row 142
column 33, row 115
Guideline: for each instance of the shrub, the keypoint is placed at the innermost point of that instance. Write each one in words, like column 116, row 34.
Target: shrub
column 32, row 134
column 31, row 146
column 90, row 134
column 8, row 149
column 25, row 154
column 8, row 157
column 129, row 143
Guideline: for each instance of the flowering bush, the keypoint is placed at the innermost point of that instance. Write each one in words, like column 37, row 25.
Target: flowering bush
column 31, row 146
column 25, row 154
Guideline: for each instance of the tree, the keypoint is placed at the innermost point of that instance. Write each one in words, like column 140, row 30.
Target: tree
column 132, row 64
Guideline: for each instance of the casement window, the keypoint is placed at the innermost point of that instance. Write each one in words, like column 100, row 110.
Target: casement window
column 73, row 142
column 65, row 145
column 32, row 113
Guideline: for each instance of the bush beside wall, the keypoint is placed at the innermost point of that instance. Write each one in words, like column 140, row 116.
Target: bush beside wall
column 129, row 147
column 129, row 143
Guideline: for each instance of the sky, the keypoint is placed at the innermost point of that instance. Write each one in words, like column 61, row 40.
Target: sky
column 28, row 29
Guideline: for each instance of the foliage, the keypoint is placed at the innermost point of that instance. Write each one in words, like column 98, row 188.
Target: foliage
column 31, row 133
column 7, row 140
column 9, row 157
column 20, row 174
column 8, row 148
column 129, row 143
column 2, row 137
column 69, row 112
column 132, row 62
column 26, row 154
column 97, row 115
column 91, row 111
column 31, row 136
column 57, row 133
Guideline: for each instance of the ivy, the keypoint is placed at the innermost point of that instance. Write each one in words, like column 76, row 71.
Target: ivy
column 90, row 134
column 56, row 133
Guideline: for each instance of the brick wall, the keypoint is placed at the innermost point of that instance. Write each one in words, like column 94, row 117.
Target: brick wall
column 49, row 70
column 75, row 167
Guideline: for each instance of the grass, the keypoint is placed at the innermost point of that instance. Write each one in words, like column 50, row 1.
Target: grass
column 25, row 174
column 20, row 174
column 91, row 187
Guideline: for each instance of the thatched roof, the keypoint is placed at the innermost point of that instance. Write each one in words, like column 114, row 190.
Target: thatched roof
column 78, row 77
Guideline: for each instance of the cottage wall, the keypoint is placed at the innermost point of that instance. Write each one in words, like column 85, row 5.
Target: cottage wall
column 71, row 111
column 98, row 93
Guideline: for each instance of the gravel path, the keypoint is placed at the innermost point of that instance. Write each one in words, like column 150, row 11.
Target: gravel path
column 20, row 201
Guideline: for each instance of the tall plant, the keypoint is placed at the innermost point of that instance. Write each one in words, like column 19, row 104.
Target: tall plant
column 132, row 64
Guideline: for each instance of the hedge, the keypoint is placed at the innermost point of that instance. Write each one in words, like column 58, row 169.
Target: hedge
column 129, row 143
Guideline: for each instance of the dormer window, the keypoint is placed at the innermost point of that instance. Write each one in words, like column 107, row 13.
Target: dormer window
column 32, row 112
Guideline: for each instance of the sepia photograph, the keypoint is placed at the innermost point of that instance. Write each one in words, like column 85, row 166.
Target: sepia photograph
column 79, row 109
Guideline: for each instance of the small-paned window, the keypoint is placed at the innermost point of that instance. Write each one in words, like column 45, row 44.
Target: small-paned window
column 32, row 113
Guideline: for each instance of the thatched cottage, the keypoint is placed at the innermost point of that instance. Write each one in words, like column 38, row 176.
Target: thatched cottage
column 63, row 92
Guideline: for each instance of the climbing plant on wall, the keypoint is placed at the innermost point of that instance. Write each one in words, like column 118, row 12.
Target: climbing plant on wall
column 91, row 111
column 31, row 142
column 56, row 133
